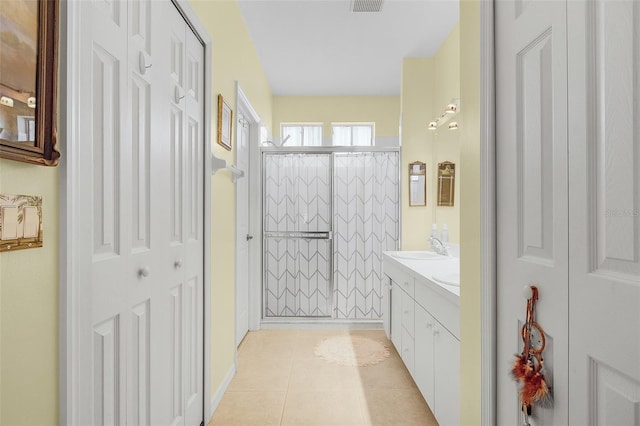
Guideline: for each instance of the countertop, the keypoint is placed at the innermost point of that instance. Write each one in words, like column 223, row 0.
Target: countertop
column 424, row 270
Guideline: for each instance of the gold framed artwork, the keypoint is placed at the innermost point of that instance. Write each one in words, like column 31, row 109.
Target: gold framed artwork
column 20, row 222
column 29, row 81
column 446, row 183
column 417, row 184
column 225, row 123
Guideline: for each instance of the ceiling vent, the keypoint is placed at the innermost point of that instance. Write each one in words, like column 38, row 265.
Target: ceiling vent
column 366, row 5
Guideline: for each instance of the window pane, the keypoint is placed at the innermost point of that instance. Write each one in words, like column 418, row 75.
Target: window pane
column 362, row 135
column 341, row 136
column 312, row 135
column 294, row 135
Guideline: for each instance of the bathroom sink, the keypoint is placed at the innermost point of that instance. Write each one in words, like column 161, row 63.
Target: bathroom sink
column 448, row 279
column 418, row 255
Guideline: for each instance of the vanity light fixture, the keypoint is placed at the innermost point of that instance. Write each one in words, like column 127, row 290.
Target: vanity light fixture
column 6, row 101
column 453, row 125
column 450, row 110
column 433, row 125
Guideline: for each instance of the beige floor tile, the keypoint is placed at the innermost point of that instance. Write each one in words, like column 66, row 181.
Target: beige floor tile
column 340, row 408
column 388, row 374
column 396, row 407
column 249, row 408
column 268, row 374
column 269, row 344
column 315, row 374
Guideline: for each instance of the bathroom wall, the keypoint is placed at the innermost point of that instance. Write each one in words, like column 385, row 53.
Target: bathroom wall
column 417, row 110
column 383, row 110
column 234, row 59
column 428, row 85
column 446, row 143
column 29, row 307
column 470, row 271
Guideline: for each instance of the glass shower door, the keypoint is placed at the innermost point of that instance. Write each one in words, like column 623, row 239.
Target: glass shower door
column 298, row 250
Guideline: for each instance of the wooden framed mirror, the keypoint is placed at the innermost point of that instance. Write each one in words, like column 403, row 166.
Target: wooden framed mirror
column 417, row 184
column 29, row 81
column 446, row 183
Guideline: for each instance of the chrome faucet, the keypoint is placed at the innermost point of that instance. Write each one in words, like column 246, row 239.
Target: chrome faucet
column 438, row 246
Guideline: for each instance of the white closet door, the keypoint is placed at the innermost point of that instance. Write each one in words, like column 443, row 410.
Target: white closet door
column 531, row 84
column 604, row 212
column 140, row 337
column 184, row 85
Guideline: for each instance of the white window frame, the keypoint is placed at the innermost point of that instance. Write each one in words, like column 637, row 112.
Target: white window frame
column 302, row 125
column 352, row 125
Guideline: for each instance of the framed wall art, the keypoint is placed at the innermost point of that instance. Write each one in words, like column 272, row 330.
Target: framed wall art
column 29, row 81
column 225, row 123
column 446, row 183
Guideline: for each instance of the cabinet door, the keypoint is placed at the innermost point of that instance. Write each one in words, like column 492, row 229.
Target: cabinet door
column 386, row 306
column 447, row 377
column 424, row 354
column 396, row 316
column 408, row 351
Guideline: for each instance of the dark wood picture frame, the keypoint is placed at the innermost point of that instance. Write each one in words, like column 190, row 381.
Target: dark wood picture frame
column 225, row 124
column 44, row 150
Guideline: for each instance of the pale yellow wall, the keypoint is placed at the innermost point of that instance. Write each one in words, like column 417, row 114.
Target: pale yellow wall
column 470, row 299
column 446, row 143
column 383, row 110
column 29, row 308
column 234, row 58
column 417, row 110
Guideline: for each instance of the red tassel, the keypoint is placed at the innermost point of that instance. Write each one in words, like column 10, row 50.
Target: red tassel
column 534, row 389
column 522, row 368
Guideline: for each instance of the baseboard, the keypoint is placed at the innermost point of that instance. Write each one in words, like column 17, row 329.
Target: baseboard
column 217, row 396
column 319, row 323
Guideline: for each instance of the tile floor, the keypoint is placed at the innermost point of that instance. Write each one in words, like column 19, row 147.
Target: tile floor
column 280, row 381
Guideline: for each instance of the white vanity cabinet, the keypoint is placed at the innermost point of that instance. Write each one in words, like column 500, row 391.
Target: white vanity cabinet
column 424, row 326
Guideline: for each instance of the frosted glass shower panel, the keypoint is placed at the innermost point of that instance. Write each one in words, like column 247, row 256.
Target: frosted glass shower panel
column 365, row 225
column 297, row 192
column 298, row 277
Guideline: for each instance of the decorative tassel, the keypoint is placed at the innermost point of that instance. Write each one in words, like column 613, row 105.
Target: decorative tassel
column 534, row 389
column 522, row 368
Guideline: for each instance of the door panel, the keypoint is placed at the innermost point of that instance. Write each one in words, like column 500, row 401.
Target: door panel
column 140, row 339
column 604, row 48
column 242, row 228
column 531, row 68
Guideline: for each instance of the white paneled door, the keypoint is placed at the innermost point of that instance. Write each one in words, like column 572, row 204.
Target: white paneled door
column 604, row 212
column 242, row 229
column 141, row 121
column 567, row 77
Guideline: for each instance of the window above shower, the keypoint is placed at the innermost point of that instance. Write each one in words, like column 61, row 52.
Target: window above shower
column 352, row 134
column 301, row 134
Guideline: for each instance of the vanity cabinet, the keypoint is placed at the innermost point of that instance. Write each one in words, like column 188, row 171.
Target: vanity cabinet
column 424, row 328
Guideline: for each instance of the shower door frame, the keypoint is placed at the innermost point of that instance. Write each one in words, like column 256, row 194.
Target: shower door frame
column 331, row 150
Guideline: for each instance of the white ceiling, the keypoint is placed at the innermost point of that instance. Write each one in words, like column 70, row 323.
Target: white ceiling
column 320, row 47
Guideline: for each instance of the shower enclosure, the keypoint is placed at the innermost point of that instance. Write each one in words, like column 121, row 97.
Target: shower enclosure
column 328, row 214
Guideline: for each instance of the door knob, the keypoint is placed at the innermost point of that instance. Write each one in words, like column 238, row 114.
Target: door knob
column 178, row 94
column 144, row 62
column 177, row 264
column 249, row 237
column 143, row 272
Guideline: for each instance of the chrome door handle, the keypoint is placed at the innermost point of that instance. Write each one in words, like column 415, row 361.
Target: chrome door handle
column 143, row 272
column 177, row 264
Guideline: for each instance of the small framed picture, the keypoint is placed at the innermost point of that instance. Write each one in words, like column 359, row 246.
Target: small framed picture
column 225, row 120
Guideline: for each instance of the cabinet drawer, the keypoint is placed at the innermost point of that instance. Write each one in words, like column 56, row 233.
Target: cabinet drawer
column 400, row 277
column 408, row 351
column 408, row 313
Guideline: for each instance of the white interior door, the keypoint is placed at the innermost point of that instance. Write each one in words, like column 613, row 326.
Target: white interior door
column 532, row 209
column 604, row 212
column 243, row 129
column 141, row 201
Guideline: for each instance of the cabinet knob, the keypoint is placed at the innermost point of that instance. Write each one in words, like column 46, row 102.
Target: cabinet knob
column 436, row 332
column 429, row 325
column 406, row 311
column 143, row 272
column 177, row 264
